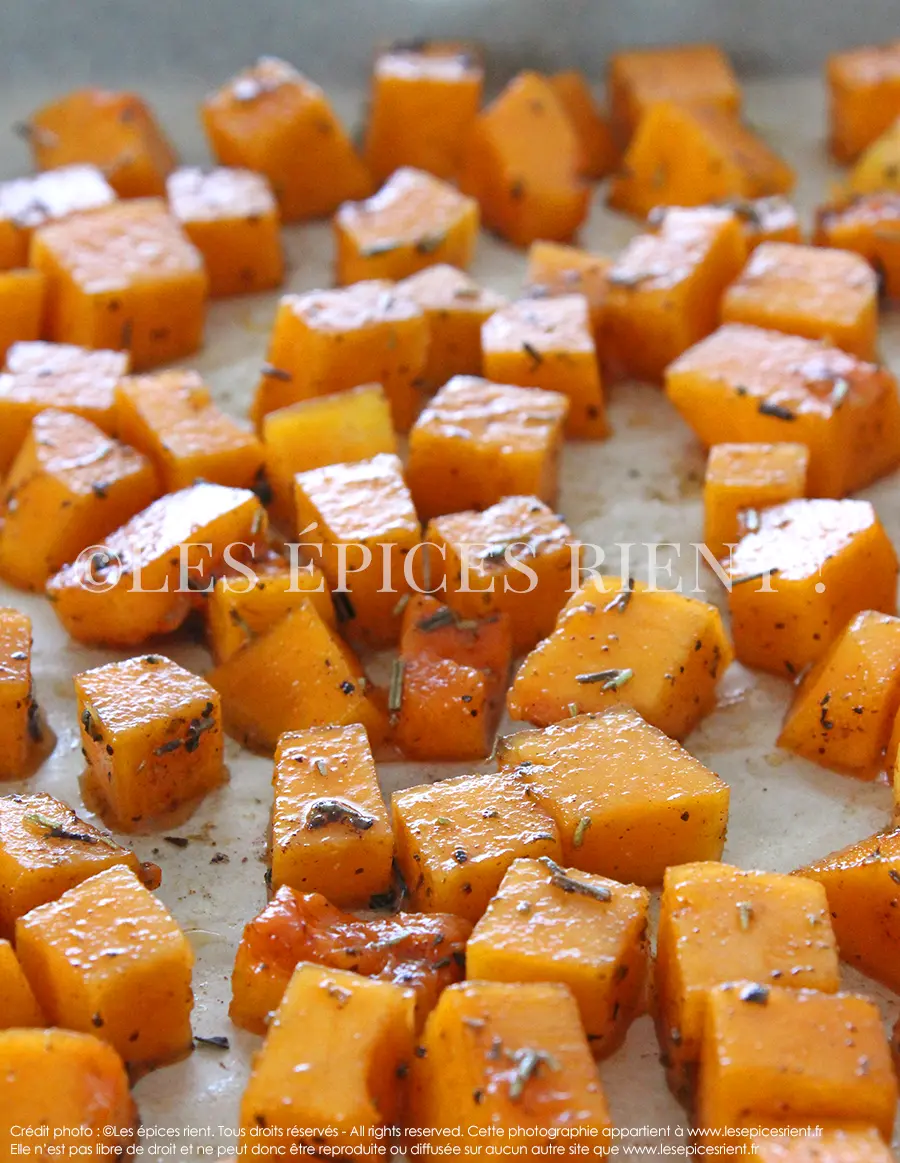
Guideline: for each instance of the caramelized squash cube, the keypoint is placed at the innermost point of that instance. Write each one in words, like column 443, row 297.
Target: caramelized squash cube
column 833, row 1145
column 455, row 840
column 876, row 170
column 555, row 269
column 414, row 221
column 18, row 1006
column 125, row 277
column 798, row 579
column 268, row 117
column 548, row 923
column 477, row 442
column 772, row 219
column 26, row 203
column 232, row 218
column 864, row 97
column 22, row 296
column 655, row 806
column 868, row 225
column 522, row 162
column 665, row 289
column 116, row 132
column 20, row 717
column 335, row 1056
column 599, row 153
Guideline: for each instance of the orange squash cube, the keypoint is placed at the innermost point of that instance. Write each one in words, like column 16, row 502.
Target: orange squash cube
column 772, row 219
column 864, row 97
column 151, row 734
column 423, row 105
column 801, row 575
column 116, row 132
column 125, row 277
column 140, row 1000
column 517, row 558
column 655, row 806
column 665, row 289
column 522, row 161
column 868, row 225
column 745, row 384
column 26, row 203
column 599, row 153
column 19, row 1006
column 617, row 642
column 477, row 442
column 231, row 217
column 742, row 478
column 22, row 297
column 556, row 269
column 267, row 117
column 455, row 840
column 414, row 221
column 330, row 829
column 20, row 716
column 854, row 1145
column 328, row 341
column 548, row 923
column 548, row 343
column 69, row 487
column 876, row 169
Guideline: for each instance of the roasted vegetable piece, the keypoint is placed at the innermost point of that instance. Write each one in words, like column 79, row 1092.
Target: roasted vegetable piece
column 548, row 923
column 124, row 277
column 18, row 1006
column 487, row 561
column 862, row 1145
column 556, row 269
column 335, row 1056
column 424, row 102
column 512, row 443
column 414, row 221
column 151, row 734
column 548, row 343
column 20, row 717
column 742, row 478
column 665, row 289
column 522, row 162
column 327, row 341
column 267, row 117
column 592, row 128
column 617, row 642
column 877, row 169
column 69, row 486
column 143, row 582
column 423, row 953
column 797, row 580
column 746, row 384
column 139, row 1000
column 231, row 216
column 718, row 923
column 864, row 97
column 46, row 849
column 772, row 219
column 869, row 225
column 656, row 805
column 455, row 840
column 22, row 296
column 757, row 1036
column 116, row 132
column 506, row 1057
column 26, row 203
column 59, row 1085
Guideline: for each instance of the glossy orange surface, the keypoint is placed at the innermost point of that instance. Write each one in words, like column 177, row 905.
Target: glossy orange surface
column 864, row 96
column 22, row 297
column 19, row 1007
column 26, row 203
column 869, row 225
column 599, row 153
column 20, row 719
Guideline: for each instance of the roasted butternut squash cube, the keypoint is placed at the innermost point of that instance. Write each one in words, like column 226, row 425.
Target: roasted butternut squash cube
column 336, row 1053
column 22, row 296
column 124, row 277
column 599, row 153
column 556, row 269
column 151, row 734
column 548, row 923
column 26, row 203
column 46, row 849
column 862, row 1145
column 61, row 1085
column 422, row 952
column 619, row 643
column 772, row 219
column 18, row 1006
column 330, row 829
column 831, row 1047
column 455, row 840
column 116, row 132
column 517, row 558
column 717, row 924
column 869, row 225
column 20, row 716
column 864, row 97
column 267, row 117
column 414, row 221
column 232, row 218
column 665, row 289
column 655, row 806
column 144, row 582
column 477, row 442
column 70, row 485
column 511, row 1058
column 548, row 343
column 742, row 478
column 358, row 524
column 876, row 169
column 299, row 674
column 140, row 1000
column 797, row 580
column 423, row 106
column 327, row 341
column 691, row 155
column 522, row 162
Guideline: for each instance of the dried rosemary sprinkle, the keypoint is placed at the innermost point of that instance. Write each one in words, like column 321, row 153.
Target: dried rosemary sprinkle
column 611, row 680
column 533, row 354
column 57, row 831
column 528, row 1062
column 561, row 879
column 429, row 243
column 839, row 392
column 755, row 994
column 572, row 708
column 395, row 691
column 580, row 829
column 402, row 603
column 324, row 812
column 443, row 616
column 777, row 411
column 321, row 767
column 745, row 914
column 620, row 601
